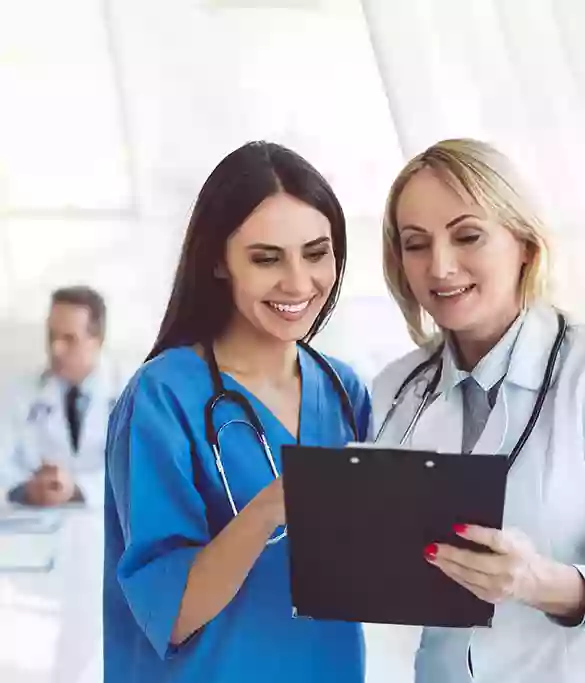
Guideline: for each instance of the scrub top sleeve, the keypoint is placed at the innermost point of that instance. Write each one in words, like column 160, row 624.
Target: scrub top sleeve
column 161, row 514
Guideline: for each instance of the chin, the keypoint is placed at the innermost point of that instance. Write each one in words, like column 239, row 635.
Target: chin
column 293, row 334
column 460, row 326
column 287, row 332
column 455, row 321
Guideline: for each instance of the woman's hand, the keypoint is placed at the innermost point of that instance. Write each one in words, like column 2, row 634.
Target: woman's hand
column 513, row 570
column 270, row 503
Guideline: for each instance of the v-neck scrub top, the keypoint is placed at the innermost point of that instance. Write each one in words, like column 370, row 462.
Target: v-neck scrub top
column 162, row 507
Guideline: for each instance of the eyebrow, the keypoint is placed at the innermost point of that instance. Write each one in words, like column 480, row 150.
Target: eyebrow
column 451, row 224
column 274, row 247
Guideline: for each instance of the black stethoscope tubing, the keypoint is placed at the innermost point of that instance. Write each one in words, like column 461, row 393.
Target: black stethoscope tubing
column 436, row 360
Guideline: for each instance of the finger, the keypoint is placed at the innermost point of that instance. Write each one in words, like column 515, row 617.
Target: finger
column 475, row 584
column 462, row 574
column 494, row 539
column 469, row 559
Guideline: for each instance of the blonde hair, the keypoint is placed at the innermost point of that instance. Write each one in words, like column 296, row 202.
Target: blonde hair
column 488, row 177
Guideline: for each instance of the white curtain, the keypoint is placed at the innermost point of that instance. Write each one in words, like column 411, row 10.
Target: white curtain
column 511, row 72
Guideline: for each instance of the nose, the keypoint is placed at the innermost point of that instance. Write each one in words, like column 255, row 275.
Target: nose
column 443, row 261
column 296, row 279
column 58, row 348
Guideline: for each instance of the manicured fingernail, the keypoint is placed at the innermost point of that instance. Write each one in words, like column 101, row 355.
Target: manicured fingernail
column 430, row 552
column 460, row 528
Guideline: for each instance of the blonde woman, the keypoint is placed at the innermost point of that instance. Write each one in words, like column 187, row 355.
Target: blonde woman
column 464, row 251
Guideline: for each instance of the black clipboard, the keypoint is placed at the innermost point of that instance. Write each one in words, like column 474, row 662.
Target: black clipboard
column 358, row 521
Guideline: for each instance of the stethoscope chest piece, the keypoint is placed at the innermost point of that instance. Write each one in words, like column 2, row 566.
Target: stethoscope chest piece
column 222, row 396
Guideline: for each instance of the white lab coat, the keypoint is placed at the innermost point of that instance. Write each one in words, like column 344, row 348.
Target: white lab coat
column 545, row 499
column 35, row 429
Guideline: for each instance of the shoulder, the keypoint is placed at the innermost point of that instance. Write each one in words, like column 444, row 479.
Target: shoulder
column 354, row 386
column 574, row 355
column 29, row 384
column 576, row 338
column 23, row 390
column 357, row 392
column 165, row 382
column 392, row 376
column 351, row 381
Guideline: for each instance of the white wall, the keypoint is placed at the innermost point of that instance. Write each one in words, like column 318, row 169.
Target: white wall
column 124, row 107
column 511, row 73
column 188, row 83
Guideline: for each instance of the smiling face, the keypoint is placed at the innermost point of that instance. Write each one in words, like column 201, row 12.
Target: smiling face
column 281, row 267
column 462, row 267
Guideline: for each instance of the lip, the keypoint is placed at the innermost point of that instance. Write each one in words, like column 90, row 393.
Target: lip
column 448, row 292
column 291, row 306
column 290, row 303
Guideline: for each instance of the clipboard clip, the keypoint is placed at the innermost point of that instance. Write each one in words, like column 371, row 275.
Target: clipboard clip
column 295, row 614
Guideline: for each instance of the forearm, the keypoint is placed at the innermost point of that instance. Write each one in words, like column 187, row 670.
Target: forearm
column 220, row 569
column 561, row 590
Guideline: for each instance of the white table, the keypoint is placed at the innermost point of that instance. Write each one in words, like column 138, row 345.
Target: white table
column 51, row 622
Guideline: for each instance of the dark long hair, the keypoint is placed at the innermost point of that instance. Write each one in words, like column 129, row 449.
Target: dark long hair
column 201, row 304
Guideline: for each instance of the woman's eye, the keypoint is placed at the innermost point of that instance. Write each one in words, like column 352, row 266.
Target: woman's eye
column 415, row 246
column 264, row 260
column 467, row 239
column 316, row 255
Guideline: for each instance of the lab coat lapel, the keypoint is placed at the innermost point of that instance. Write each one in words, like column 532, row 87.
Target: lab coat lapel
column 93, row 424
column 440, row 427
column 100, row 392
column 519, row 390
column 52, row 439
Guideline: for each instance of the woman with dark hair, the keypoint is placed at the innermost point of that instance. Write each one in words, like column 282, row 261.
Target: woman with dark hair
column 196, row 558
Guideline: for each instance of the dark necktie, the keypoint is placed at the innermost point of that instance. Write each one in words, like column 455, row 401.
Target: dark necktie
column 73, row 418
column 477, row 406
column 476, row 411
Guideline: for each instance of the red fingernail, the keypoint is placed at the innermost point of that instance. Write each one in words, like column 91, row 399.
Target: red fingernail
column 430, row 552
column 460, row 528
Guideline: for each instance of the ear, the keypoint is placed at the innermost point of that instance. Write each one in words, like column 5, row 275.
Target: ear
column 528, row 252
column 220, row 271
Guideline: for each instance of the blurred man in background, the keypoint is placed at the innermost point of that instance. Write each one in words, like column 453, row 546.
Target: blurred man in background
column 58, row 430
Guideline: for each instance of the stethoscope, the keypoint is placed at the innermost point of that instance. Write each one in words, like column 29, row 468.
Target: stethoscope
column 436, row 359
column 221, row 395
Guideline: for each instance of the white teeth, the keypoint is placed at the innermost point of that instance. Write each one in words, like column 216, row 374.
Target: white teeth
column 290, row 308
column 453, row 292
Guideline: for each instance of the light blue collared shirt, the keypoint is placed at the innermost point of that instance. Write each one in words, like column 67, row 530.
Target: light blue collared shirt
column 487, row 375
column 490, row 369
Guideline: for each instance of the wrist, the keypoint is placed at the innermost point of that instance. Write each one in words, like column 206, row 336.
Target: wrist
column 264, row 514
column 559, row 590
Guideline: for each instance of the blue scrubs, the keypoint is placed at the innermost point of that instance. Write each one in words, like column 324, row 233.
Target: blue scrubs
column 157, row 520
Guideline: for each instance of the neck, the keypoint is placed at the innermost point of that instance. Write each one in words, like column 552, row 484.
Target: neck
column 471, row 347
column 249, row 354
column 75, row 381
